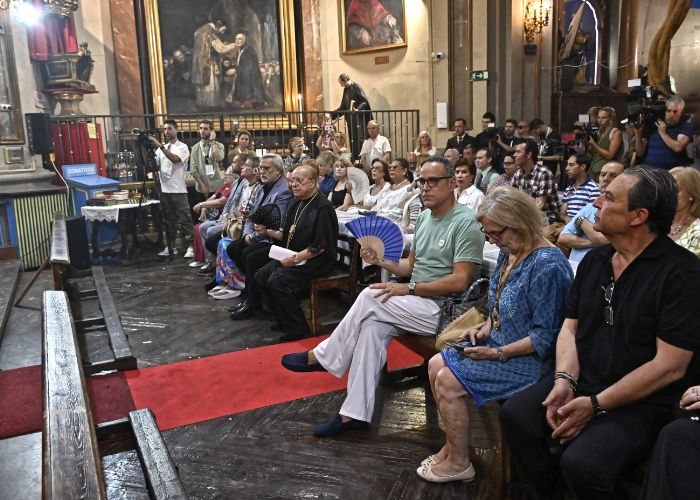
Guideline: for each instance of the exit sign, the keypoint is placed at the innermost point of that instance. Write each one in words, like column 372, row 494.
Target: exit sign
column 479, row 76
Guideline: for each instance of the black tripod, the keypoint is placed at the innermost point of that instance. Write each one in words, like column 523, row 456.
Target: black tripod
column 146, row 160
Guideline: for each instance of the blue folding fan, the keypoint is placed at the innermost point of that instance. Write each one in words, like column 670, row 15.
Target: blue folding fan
column 378, row 234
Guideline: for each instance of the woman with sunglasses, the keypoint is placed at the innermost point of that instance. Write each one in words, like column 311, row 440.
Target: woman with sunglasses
column 507, row 354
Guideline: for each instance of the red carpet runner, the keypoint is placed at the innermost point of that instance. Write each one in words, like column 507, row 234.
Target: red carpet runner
column 185, row 392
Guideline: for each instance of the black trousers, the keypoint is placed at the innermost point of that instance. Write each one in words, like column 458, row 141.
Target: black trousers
column 593, row 461
column 250, row 258
column 674, row 467
column 281, row 288
column 212, row 242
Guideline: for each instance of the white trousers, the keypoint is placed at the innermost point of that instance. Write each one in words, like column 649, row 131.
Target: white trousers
column 361, row 339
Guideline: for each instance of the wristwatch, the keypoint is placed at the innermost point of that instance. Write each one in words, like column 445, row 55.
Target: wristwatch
column 501, row 355
column 578, row 221
column 596, row 406
column 412, row 288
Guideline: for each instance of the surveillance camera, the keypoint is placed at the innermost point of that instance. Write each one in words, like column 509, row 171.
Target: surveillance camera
column 439, row 56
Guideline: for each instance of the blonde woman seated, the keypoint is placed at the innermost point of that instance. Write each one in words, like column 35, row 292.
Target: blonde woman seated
column 390, row 203
column 526, row 305
column 380, row 183
column 685, row 229
column 341, row 194
column 424, row 148
column 466, row 193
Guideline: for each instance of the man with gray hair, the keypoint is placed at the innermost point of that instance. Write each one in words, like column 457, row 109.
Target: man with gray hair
column 623, row 352
column 375, row 146
column 250, row 252
column 665, row 147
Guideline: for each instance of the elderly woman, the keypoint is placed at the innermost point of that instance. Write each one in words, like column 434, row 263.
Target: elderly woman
column 341, row 194
column 380, row 183
column 505, row 356
column 685, row 229
column 390, row 203
column 466, row 193
column 296, row 156
column 506, row 178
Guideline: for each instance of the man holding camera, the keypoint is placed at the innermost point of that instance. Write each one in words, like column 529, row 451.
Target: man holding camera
column 172, row 158
column 666, row 146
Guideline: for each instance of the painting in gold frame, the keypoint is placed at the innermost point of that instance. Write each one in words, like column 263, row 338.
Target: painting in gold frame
column 11, row 126
column 369, row 25
column 198, row 65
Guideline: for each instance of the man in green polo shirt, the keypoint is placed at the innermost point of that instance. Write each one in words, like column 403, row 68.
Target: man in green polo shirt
column 445, row 254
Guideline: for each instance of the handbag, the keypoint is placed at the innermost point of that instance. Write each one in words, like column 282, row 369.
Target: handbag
column 461, row 313
column 234, row 227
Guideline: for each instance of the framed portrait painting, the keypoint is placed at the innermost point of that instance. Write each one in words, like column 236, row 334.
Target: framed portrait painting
column 220, row 56
column 368, row 25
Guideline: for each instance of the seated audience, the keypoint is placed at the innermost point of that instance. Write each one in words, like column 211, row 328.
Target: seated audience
column 424, row 148
column 469, row 152
column 629, row 334
column 380, row 183
column 506, row 179
column 466, row 191
column 486, row 174
column 672, row 472
column 244, row 146
column 326, row 180
column 685, row 229
column 311, row 230
column 451, row 155
column 385, row 310
column 536, row 180
column 296, row 156
column 506, row 355
column 339, row 146
column 390, row 203
column 341, row 194
column 375, row 146
column 578, row 235
column 412, row 209
column 583, row 189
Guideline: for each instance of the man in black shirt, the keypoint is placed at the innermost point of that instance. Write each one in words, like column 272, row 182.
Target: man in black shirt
column 357, row 111
column 630, row 331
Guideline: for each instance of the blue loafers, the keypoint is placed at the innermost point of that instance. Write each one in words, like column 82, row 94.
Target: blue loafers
column 336, row 425
column 299, row 362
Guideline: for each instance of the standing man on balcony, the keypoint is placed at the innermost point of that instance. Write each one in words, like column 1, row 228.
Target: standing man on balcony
column 354, row 99
column 172, row 158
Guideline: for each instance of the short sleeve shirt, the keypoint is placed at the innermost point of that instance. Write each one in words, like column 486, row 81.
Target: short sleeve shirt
column 660, row 155
column 655, row 297
column 578, row 197
column 539, row 182
column 375, row 148
column 172, row 175
column 441, row 241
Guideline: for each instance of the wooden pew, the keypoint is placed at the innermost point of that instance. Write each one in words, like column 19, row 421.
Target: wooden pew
column 71, row 463
column 60, row 257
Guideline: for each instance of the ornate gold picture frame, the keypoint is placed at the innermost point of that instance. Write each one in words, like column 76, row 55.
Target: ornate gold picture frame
column 198, row 66
column 370, row 25
column 11, row 126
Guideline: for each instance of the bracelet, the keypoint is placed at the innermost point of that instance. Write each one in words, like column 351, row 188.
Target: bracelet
column 569, row 378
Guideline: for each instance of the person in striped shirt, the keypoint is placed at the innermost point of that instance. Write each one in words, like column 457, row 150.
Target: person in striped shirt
column 583, row 189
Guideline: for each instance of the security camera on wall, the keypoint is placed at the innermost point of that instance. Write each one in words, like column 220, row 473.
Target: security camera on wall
column 439, row 56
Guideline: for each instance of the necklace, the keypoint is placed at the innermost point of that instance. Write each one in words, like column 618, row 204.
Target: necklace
column 678, row 229
column 495, row 316
column 394, row 187
column 297, row 216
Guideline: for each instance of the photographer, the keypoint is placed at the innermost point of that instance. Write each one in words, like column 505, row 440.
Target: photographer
column 171, row 158
column 607, row 145
column 506, row 140
column 548, row 141
column 666, row 146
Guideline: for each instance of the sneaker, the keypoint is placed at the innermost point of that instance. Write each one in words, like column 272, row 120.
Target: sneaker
column 165, row 252
column 226, row 294
column 207, row 269
column 189, row 253
column 216, row 289
column 195, row 264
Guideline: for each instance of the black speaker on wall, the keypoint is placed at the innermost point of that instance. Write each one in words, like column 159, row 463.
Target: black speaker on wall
column 39, row 133
column 78, row 249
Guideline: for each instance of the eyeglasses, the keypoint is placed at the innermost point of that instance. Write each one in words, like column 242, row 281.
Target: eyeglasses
column 297, row 180
column 430, row 181
column 496, row 235
column 608, row 311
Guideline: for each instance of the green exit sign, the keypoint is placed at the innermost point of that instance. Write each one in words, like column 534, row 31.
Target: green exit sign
column 480, row 76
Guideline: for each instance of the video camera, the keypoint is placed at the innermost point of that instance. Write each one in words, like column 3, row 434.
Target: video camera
column 587, row 132
column 492, row 132
column 644, row 105
column 142, row 136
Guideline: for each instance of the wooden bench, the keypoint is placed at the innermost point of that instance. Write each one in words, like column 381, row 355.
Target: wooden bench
column 60, row 256
column 71, row 462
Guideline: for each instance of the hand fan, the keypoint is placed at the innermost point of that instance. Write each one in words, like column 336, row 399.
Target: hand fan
column 268, row 215
column 379, row 234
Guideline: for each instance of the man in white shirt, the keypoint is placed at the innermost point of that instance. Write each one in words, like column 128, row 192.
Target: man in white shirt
column 375, row 146
column 172, row 159
column 486, row 175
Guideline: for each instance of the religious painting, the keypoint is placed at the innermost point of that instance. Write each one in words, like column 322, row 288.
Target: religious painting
column 222, row 56
column 580, row 45
column 368, row 25
column 11, row 126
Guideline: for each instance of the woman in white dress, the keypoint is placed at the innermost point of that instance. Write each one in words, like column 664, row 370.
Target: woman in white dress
column 390, row 203
column 466, row 193
column 380, row 183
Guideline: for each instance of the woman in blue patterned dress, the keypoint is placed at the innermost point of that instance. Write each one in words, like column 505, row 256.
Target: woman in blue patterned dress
column 506, row 355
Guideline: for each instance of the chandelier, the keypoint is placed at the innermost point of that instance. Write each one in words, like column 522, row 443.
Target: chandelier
column 61, row 7
column 536, row 18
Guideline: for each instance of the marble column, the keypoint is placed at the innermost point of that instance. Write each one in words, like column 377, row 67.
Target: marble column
column 628, row 53
column 126, row 57
column 312, row 84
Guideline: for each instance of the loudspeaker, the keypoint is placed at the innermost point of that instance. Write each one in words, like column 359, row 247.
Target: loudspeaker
column 78, row 242
column 39, row 133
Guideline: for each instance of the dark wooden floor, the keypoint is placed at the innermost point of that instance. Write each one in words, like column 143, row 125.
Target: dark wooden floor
column 270, row 452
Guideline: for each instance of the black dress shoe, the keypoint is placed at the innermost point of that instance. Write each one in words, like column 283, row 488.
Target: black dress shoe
column 236, row 307
column 245, row 312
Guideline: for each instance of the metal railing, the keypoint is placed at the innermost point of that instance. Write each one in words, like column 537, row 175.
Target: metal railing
column 108, row 139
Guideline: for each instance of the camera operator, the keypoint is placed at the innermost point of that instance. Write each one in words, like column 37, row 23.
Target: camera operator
column 171, row 158
column 487, row 137
column 607, row 146
column 666, row 146
column 548, row 141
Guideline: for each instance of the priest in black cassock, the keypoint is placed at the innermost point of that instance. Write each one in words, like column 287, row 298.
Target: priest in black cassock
column 357, row 111
column 311, row 230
